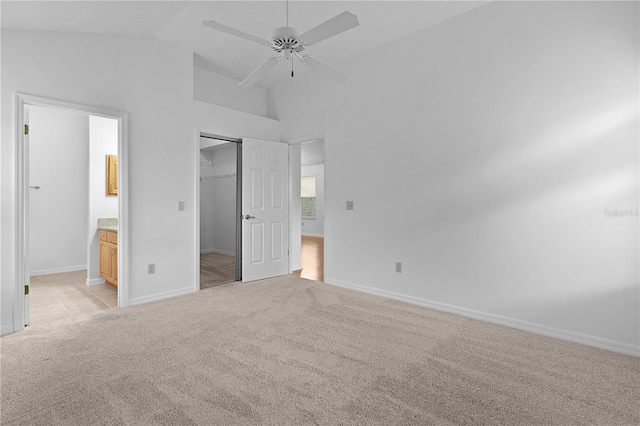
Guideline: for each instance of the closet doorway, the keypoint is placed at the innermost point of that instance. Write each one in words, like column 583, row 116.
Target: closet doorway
column 220, row 204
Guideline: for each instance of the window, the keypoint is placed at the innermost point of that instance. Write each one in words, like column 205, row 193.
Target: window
column 308, row 197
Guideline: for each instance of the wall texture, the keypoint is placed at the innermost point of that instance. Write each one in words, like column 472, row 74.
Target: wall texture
column 484, row 154
column 59, row 164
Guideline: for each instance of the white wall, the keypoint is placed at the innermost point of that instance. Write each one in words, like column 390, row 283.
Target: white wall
column 103, row 137
column 152, row 81
column 222, row 121
column 483, row 156
column 59, row 164
column 315, row 226
column 218, row 200
column 224, row 91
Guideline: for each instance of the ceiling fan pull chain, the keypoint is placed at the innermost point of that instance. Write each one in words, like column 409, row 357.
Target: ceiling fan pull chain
column 291, row 66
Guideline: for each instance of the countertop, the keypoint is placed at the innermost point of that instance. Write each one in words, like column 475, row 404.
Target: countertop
column 108, row 224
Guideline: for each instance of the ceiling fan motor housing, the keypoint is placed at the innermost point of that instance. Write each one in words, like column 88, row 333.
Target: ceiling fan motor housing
column 286, row 39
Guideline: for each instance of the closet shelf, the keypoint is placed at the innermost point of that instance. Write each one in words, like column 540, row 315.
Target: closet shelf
column 229, row 175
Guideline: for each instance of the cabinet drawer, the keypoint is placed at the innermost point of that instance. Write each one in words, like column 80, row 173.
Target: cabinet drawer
column 112, row 237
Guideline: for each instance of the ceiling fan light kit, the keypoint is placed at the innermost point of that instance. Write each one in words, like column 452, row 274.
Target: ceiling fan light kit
column 289, row 42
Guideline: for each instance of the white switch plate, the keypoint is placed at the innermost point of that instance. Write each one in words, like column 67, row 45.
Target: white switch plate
column 349, row 205
column 180, row 206
column 151, row 268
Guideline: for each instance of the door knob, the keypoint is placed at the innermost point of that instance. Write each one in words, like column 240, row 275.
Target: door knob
column 246, row 216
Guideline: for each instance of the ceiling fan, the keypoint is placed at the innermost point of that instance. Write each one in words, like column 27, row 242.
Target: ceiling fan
column 290, row 42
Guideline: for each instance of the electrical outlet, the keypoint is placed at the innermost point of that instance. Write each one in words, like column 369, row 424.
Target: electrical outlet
column 349, row 205
column 399, row 267
column 180, row 206
column 151, row 268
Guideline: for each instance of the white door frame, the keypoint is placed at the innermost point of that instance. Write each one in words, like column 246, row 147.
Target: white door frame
column 324, row 138
column 22, row 181
column 231, row 139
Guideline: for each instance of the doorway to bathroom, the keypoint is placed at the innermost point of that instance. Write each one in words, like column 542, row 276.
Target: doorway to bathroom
column 219, row 211
column 36, row 185
column 69, row 196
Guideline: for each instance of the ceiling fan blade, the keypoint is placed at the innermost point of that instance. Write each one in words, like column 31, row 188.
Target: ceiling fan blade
column 336, row 25
column 225, row 29
column 324, row 68
column 259, row 72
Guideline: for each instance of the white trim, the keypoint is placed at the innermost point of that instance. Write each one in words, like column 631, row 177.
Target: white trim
column 21, row 256
column 228, row 253
column 161, row 296
column 95, row 281
column 6, row 329
column 571, row 336
column 297, row 267
column 58, row 270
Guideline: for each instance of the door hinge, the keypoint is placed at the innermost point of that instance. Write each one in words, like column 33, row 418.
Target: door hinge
column 26, row 129
column 26, row 289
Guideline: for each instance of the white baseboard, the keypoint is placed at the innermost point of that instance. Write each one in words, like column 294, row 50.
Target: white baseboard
column 228, row 253
column 161, row 296
column 95, row 281
column 309, row 234
column 571, row 336
column 58, row 270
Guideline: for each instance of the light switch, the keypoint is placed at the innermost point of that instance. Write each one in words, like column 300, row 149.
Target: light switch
column 180, row 206
column 349, row 205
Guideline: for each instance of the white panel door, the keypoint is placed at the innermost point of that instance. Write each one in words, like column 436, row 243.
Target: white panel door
column 265, row 209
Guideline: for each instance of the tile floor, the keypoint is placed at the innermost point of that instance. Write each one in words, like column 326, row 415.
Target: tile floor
column 60, row 296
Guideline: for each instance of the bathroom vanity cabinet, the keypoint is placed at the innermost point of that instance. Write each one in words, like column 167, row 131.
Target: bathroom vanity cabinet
column 109, row 257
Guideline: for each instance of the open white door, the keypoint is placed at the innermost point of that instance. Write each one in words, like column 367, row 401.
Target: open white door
column 265, row 209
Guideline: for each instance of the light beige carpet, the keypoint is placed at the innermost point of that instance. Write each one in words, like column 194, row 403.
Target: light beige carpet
column 216, row 269
column 288, row 351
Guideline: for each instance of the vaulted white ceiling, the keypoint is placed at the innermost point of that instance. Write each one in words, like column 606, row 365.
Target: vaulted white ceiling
column 180, row 23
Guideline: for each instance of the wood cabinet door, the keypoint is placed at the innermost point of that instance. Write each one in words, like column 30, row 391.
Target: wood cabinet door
column 106, row 261
column 114, row 265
